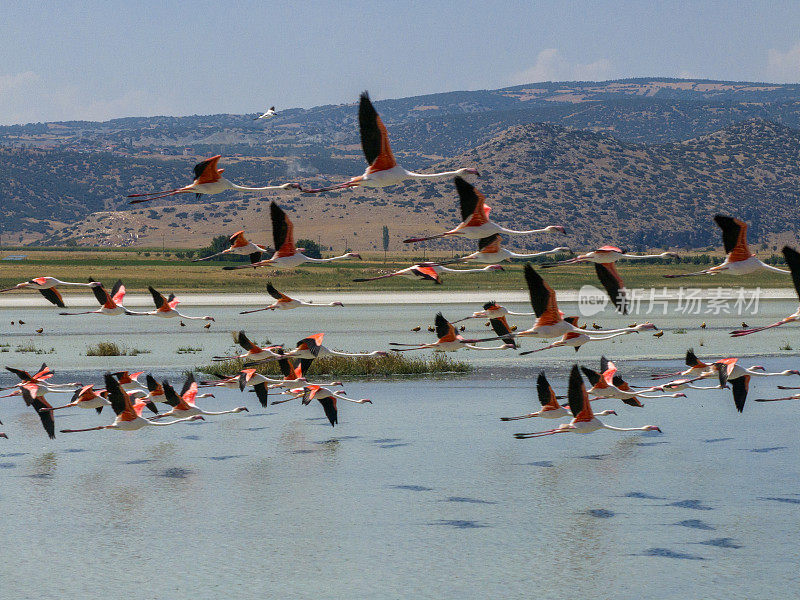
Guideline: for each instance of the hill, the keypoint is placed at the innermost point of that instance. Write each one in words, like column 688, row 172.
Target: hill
column 603, row 189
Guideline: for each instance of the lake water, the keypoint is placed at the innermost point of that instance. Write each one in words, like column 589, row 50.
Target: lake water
column 424, row 493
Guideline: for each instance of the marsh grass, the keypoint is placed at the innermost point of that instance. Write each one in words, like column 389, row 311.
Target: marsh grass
column 29, row 347
column 113, row 349
column 188, row 350
column 347, row 367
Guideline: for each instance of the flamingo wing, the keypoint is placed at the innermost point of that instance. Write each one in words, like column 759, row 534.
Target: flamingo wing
column 23, row 375
column 40, row 404
column 240, row 338
column 101, row 294
column 613, row 284
column 472, row 203
column 329, row 406
column 579, row 403
column 312, row 343
column 53, row 296
column 158, row 298
column 170, row 395
column 734, row 237
column 443, row 327
column 490, row 244
column 120, row 402
column 282, row 231
column 206, row 171
column 501, row 328
column 275, row 293
column 428, row 273
column 792, row 257
column 262, row 393
column 593, row 376
column 547, row 397
column 543, row 298
column 739, row 386
column 374, row 137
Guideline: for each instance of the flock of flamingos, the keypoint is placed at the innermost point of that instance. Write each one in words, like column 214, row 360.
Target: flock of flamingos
column 128, row 396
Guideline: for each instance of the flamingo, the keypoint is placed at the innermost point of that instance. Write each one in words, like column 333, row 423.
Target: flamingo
column 208, row 179
column 739, row 378
column 684, row 384
column 286, row 254
column 584, row 420
column 311, row 347
column 490, row 251
column 551, row 409
column 492, row 310
column 86, row 397
column 739, row 259
column 267, row 115
column 165, row 307
column 793, row 261
column 47, row 288
column 549, row 319
column 129, row 415
column 246, row 378
column 183, row 405
column 239, row 245
column 450, row 341
column 42, row 408
column 607, row 255
column 608, row 385
column 383, row 169
column 475, row 218
column 130, row 381
column 697, row 368
column 327, row 398
column 110, row 304
column 427, row 272
column 573, row 339
column 284, row 302
column 254, row 352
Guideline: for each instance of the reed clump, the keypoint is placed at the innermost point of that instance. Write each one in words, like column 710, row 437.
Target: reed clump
column 352, row 367
column 113, row 349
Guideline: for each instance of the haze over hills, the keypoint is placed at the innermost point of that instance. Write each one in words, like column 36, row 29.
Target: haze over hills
column 644, row 160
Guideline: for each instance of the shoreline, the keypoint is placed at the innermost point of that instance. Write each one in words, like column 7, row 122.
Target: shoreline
column 32, row 299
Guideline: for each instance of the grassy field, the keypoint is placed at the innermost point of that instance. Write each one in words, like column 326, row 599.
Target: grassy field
column 166, row 272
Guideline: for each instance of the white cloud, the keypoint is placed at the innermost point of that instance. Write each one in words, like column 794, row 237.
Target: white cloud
column 551, row 66
column 784, row 67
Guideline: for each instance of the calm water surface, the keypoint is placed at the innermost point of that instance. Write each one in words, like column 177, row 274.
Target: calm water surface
column 425, row 493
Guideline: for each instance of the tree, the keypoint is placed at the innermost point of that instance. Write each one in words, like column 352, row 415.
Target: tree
column 385, row 241
column 312, row 248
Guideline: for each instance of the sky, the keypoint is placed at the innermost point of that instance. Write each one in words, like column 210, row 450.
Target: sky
column 97, row 60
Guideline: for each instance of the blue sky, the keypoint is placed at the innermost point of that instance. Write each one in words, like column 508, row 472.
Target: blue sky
column 101, row 60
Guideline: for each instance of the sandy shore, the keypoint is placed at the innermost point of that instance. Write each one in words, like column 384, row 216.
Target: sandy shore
column 78, row 300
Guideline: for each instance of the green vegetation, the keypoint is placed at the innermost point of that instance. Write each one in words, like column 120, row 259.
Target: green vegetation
column 113, row 349
column 188, row 350
column 357, row 367
column 29, row 347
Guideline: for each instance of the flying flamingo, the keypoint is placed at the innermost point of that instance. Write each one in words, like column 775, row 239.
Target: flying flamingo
column 383, row 169
column 739, row 378
column 490, row 252
column 606, row 255
column 183, row 405
column 254, row 352
column 130, row 381
column 208, row 179
column 47, row 288
column 573, row 339
column 549, row 319
column 165, row 307
column 450, row 341
column 286, row 254
column 245, row 378
column 129, row 415
column 267, row 115
column 793, row 261
column 42, row 408
column 311, row 347
column 584, row 420
column 697, row 368
column 551, row 409
column 475, row 218
column 86, row 397
column 110, row 304
column 606, row 385
column 427, row 272
column 327, row 398
column 239, row 245
column 492, row 310
column 284, row 302
column 739, row 259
